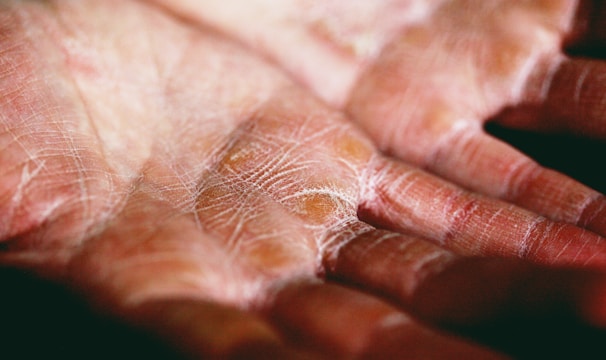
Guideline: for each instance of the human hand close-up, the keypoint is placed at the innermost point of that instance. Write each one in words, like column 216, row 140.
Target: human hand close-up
column 302, row 179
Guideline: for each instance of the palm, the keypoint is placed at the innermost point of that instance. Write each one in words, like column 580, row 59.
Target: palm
column 165, row 171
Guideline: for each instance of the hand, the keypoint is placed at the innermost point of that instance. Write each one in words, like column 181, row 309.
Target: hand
column 182, row 183
column 422, row 77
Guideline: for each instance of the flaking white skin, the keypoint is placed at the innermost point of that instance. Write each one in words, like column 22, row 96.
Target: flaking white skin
column 182, row 181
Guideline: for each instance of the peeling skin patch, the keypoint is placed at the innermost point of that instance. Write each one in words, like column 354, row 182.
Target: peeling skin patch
column 352, row 150
column 317, row 207
column 328, row 33
column 279, row 254
column 239, row 159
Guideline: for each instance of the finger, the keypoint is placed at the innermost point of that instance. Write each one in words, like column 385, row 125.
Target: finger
column 437, row 285
column 409, row 200
column 548, row 310
column 565, row 153
column 487, row 165
column 571, row 99
column 426, row 107
column 202, row 329
column 346, row 323
column 443, row 139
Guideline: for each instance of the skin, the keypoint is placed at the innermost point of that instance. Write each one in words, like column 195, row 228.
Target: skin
column 194, row 177
column 436, row 75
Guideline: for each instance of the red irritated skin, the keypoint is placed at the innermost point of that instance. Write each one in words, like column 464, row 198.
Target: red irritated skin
column 181, row 181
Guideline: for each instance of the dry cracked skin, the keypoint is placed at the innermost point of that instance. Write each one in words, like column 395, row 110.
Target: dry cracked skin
column 302, row 179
